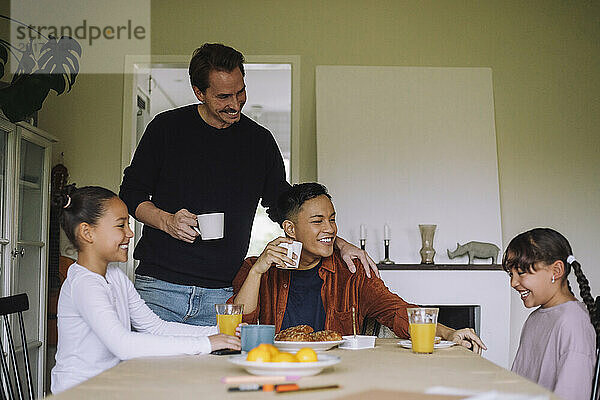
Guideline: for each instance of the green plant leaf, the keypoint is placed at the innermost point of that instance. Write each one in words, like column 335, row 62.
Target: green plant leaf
column 60, row 58
column 24, row 96
column 3, row 58
column 27, row 63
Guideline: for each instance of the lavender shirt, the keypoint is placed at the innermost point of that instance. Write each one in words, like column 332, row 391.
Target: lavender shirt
column 558, row 350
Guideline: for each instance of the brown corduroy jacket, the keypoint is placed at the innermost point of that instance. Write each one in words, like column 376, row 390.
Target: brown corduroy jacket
column 340, row 291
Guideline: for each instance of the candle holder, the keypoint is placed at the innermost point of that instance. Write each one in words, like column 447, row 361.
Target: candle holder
column 387, row 260
column 362, row 243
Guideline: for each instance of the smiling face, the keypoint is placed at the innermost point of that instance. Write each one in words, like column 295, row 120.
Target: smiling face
column 223, row 99
column 314, row 226
column 112, row 232
column 535, row 287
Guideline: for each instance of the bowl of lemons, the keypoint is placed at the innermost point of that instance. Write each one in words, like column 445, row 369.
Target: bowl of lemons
column 266, row 359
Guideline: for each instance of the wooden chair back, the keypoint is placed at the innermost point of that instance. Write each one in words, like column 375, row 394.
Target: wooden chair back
column 8, row 306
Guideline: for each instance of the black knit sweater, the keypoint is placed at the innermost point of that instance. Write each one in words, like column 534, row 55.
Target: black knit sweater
column 182, row 162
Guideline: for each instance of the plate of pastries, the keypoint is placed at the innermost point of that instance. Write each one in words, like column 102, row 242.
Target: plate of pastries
column 296, row 337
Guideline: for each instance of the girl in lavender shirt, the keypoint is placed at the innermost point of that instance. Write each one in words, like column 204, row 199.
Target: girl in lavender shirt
column 558, row 341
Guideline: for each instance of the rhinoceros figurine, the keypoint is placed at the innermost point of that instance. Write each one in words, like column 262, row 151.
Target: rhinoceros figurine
column 475, row 250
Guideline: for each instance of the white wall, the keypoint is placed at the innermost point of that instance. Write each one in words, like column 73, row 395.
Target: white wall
column 408, row 146
column 412, row 145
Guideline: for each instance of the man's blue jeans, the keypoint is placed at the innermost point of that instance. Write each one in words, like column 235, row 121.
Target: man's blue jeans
column 179, row 303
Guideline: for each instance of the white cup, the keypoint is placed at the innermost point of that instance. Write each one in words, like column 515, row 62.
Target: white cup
column 294, row 248
column 210, row 226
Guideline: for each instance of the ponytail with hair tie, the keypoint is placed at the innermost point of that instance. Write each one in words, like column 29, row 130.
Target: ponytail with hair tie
column 68, row 202
column 78, row 205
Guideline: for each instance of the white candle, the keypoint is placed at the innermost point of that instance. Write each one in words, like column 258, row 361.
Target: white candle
column 363, row 232
column 386, row 232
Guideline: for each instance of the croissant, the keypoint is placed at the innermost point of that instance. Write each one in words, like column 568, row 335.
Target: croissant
column 305, row 333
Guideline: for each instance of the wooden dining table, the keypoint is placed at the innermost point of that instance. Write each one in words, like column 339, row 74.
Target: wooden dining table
column 387, row 367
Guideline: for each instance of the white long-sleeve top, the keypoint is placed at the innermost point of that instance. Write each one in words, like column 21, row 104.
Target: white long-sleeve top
column 95, row 321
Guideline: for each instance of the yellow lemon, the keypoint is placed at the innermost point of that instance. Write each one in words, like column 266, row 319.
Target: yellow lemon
column 306, row 354
column 285, row 357
column 270, row 348
column 259, row 354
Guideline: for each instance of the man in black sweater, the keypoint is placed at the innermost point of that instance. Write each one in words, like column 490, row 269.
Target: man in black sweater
column 198, row 159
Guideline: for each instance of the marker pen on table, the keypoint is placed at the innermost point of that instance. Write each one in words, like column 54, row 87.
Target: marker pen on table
column 292, row 387
column 252, row 387
column 284, row 388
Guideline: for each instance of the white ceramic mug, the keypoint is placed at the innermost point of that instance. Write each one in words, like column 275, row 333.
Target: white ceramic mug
column 210, row 226
column 294, row 248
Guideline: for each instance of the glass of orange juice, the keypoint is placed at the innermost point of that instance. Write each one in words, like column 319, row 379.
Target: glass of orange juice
column 422, row 326
column 229, row 316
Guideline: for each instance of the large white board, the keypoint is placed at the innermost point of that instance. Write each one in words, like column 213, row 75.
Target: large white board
column 408, row 146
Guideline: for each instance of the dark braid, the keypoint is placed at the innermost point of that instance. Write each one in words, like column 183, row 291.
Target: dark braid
column 586, row 295
column 547, row 245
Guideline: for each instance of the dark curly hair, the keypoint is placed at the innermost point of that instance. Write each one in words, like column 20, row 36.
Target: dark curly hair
column 547, row 246
column 213, row 56
column 86, row 204
column 289, row 202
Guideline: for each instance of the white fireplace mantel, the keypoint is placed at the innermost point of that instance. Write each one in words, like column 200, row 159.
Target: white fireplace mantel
column 489, row 289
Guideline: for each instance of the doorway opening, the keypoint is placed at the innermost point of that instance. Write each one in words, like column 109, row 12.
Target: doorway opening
column 273, row 100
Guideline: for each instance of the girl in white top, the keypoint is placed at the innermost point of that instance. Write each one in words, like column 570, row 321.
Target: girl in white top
column 98, row 307
column 558, row 342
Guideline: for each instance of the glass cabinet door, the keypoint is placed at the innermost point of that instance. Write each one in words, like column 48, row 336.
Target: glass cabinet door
column 24, row 195
column 30, row 191
column 27, row 272
column 28, row 263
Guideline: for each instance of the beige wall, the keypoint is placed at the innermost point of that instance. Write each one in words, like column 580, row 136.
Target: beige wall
column 545, row 57
column 87, row 122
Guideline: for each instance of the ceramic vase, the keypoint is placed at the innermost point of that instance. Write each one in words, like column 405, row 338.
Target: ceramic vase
column 427, row 251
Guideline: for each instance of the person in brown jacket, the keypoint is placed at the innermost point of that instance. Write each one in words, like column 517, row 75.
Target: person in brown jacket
column 320, row 292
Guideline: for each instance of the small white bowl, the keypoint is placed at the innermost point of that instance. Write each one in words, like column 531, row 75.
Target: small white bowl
column 357, row 343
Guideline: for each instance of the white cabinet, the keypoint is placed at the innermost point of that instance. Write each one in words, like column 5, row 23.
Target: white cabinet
column 25, row 154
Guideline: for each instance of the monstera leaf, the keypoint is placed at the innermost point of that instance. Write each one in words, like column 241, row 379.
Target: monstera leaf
column 60, row 59
column 3, row 58
column 55, row 67
column 27, row 62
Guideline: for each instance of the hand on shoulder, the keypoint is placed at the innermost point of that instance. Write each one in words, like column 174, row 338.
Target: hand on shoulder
column 349, row 252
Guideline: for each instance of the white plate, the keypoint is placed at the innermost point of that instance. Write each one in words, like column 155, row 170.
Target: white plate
column 316, row 346
column 285, row 368
column 355, row 348
column 444, row 344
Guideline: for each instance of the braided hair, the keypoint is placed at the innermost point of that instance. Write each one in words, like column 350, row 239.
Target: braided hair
column 547, row 246
column 86, row 204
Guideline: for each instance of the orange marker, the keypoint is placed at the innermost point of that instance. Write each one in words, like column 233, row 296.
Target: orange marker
column 292, row 387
